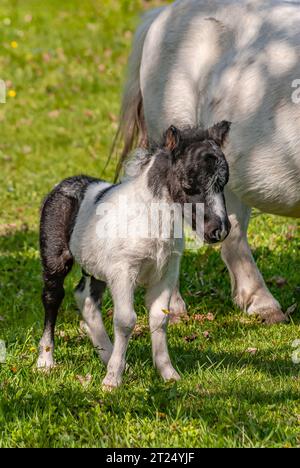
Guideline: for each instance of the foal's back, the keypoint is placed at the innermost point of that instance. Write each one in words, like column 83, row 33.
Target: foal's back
column 112, row 231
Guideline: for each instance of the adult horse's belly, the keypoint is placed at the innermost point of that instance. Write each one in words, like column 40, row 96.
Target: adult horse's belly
column 264, row 159
column 270, row 184
column 257, row 87
column 264, row 145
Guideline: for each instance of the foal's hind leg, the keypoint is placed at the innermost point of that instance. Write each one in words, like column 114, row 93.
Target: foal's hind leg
column 53, row 294
column 88, row 295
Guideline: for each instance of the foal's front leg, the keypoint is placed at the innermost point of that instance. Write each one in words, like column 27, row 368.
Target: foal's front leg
column 177, row 306
column 158, row 301
column 122, row 291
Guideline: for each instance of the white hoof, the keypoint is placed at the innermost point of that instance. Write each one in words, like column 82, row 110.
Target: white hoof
column 170, row 374
column 110, row 382
column 45, row 360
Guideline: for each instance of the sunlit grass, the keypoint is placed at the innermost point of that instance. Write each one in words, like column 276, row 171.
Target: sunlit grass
column 63, row 63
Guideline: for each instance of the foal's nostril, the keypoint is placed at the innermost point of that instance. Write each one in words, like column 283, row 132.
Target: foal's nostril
column 219, row 234
column 217, row 230
column 224, row 233
column 216, row 235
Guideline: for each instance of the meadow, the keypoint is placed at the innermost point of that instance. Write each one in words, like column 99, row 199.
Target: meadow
column 64, row 65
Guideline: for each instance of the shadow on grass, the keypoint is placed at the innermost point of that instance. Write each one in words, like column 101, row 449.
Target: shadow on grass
column 169, row 399
column 203, row 275
column 21, row 281
column 264, row 361
column 20, row 271
column 189, row 358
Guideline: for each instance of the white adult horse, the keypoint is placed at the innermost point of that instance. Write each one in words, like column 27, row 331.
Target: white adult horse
column 201, row 61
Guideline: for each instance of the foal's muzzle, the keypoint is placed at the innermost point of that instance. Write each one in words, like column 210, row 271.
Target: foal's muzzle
column 217, row 230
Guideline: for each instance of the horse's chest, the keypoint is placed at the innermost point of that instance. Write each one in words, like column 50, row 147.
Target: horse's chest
column 156, row 263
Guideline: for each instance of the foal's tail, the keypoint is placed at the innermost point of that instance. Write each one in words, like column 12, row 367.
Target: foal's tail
column 132, row 128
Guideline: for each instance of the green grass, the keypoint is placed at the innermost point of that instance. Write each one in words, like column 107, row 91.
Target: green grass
column 67, row 72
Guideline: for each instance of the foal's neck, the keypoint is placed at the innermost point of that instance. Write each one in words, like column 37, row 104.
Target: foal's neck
column 163, row 180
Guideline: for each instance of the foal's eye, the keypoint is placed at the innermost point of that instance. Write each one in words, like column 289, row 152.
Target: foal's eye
column 210, row 158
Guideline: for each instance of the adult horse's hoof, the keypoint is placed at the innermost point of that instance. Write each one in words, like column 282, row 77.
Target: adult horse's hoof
column 271, row 316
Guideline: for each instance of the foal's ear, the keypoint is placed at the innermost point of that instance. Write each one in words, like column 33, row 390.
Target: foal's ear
column 219, row 132
column 171, row 138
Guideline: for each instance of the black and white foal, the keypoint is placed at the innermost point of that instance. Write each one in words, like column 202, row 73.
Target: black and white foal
column 81, row 221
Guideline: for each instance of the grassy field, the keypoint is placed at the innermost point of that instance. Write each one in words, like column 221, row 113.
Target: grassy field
column 64, row 64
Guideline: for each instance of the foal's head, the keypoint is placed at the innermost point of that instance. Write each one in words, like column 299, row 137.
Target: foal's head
column 196, row 171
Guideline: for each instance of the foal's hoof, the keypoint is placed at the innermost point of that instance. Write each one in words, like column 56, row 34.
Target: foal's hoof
column 45, row 360
column 110, row 383
column 271, row 316
column 44, row 367
column 108, row 388
column 170, row 375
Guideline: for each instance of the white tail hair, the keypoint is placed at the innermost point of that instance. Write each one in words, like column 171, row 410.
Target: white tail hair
column 132, row 128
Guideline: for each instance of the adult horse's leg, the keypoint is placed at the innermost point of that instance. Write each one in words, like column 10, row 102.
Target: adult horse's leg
column 248, row 287
column 249, row 290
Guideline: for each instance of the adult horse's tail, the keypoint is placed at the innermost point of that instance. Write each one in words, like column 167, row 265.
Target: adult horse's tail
column 132, row 128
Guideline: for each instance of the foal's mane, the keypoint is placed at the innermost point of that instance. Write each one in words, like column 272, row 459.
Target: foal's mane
column 141, row 157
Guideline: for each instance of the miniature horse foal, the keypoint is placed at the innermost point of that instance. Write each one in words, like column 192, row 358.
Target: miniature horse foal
column 81, row 221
